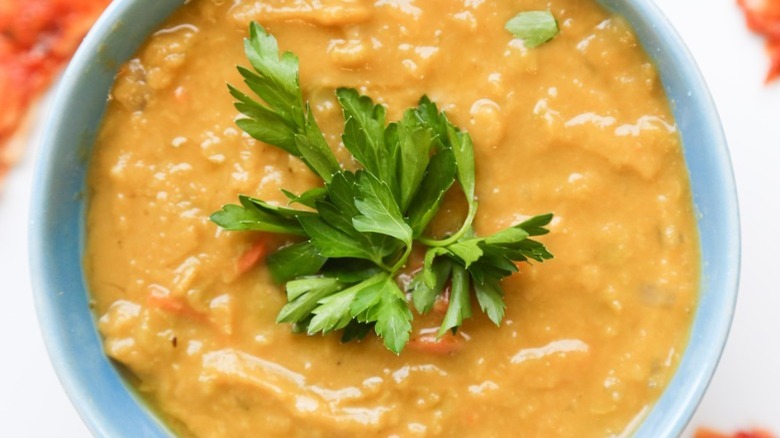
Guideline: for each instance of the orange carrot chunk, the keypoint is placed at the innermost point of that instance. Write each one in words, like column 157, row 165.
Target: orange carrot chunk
column 427, row 343
column 174, row 305
column 251, row 257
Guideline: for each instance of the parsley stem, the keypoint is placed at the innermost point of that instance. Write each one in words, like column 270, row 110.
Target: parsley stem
column 453, row 238
column 402, row 261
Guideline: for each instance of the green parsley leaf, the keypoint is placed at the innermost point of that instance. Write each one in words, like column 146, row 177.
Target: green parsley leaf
column 460, row 301
column 415, row 142
column 393, row 318
column 334, row 311
column 256, row 215
column 486, row 261
column 428, row 275
column 342, row 191
column 534, row 27
column 439, row 177
column 363, row 307
column 284, row 121
column 288, row 213
column 332, row 242
column 307, row 198
column 424, row 296
column 376, row 246
column 358, row 230
column 468, row 251
column 315, row 150
column 536, row 225
column 304, row 294
column 364, row 134
column 298, row 260
column 277, row 79
column 452, row 138
column 429, row 113
column 379, row 212
column 507, row 236
column 383, row 303
column 355, row 331
column 264, row 123
column 491, row 300
column 463, row 149
column 351, row 270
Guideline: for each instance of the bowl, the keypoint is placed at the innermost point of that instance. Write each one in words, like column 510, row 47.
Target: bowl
column 95, row 385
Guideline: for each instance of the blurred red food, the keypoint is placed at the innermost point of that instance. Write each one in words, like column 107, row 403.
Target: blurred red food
column 773, row 47
column 755, row 433
column 37, row 37
column 763, row 17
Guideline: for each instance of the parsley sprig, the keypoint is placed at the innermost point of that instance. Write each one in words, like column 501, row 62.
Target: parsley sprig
column 358, row 230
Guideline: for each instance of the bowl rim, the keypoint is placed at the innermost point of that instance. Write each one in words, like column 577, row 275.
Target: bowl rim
column 670, row 413
column 678, row 406
column 84, row 393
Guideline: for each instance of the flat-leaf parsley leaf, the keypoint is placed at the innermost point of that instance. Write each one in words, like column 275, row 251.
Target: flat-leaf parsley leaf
column 358, row 230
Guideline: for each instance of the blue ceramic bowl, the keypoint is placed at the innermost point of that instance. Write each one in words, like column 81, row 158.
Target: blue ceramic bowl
column 104, row 400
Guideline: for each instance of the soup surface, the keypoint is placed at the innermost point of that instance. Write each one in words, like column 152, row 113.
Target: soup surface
column 579, row 126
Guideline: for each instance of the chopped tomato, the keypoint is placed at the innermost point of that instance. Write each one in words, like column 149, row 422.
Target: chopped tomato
column 773, row 47
column 37, row 37
column 710, row 433
column 763, row 17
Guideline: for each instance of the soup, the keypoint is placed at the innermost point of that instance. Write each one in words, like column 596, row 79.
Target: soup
column 579, row 126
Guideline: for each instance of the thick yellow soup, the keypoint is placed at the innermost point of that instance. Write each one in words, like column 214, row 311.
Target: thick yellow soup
column 578, row 126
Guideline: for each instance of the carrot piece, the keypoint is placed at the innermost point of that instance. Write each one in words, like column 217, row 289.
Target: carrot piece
column 472, row 418
column 427, row 343
column 166, row 303
column 251, row 257
column 173, row 305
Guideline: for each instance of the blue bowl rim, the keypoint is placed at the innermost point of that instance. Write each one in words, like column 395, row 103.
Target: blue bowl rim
column 679, row 409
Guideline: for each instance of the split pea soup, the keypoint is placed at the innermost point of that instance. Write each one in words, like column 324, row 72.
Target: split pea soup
column 578, row 126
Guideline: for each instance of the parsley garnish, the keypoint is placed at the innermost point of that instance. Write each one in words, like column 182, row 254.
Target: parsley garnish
column 533, row 27
column 360, row 227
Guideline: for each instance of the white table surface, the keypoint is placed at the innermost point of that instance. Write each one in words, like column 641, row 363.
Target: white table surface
column 746, row 389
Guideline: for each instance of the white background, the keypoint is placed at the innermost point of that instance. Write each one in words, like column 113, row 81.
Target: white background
column 746, row 389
